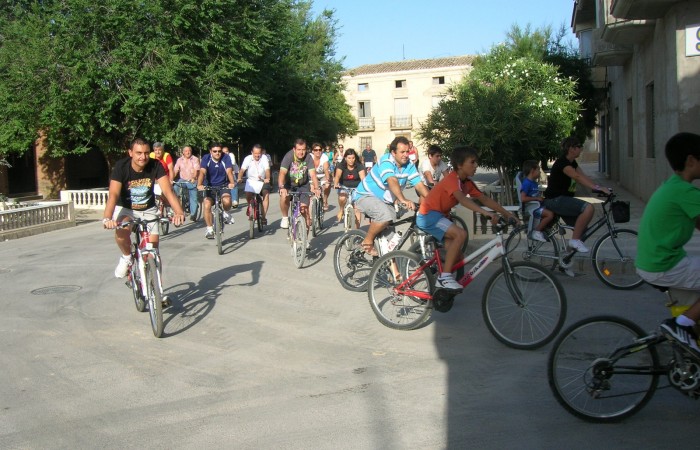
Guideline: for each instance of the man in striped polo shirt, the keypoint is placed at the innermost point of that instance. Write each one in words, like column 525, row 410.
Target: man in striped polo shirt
column 383, row 186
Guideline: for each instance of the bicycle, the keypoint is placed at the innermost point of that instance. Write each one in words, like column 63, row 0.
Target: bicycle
column 255, row 215
column 352, row 264
column 144, row 276
column 296, row 233
column 348, row 209
column 523, row 304
column 185, row 201
column 165, row 213
column 606, row 368
column 612, row 255
column 217, row 211
column 317, row 215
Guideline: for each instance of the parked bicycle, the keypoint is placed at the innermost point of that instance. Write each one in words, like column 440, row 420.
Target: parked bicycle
column 612, row 255
column 144, row 276
column 352, row 264
column 184, row 197
column 255, row 215
column 217, row 211
column 297, row 231
column 317, row 215
column 606, row 368
column 523, row 304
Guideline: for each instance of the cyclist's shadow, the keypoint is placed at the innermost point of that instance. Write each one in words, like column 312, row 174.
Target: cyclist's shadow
column 191, row 303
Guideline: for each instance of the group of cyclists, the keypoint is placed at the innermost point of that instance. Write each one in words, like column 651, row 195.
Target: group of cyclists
column 671, row 216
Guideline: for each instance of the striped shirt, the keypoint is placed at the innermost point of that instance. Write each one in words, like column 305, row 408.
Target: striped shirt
column 375, row 183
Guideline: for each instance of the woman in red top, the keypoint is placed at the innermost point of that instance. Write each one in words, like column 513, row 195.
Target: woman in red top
column 453, row 189
column 164, row 159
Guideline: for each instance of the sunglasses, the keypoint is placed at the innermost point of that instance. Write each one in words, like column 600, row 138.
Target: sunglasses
column 317, row 149
column 216, row 151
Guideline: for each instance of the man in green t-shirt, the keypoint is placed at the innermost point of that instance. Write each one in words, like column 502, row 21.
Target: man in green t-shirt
column 670, row 217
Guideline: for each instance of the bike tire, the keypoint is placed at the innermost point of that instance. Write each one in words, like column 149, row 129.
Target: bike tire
column 219, row 230
column 258, row 214
column 299, row 240
column 583, row 378
column 135, row 284
column 348, row 217
column 315, row 206
column 394, row 309
column 251, row 226
column 164, row 222
column 539, row 317
column 616, row 268
column 458, row 221
column 521, row 248
column 155, row 298
column 352, row 265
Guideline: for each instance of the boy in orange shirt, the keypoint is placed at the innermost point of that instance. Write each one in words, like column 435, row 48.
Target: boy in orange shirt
column 453, row 189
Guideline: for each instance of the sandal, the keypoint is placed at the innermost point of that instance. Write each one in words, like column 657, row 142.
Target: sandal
column 369, row 249
column 325, row 207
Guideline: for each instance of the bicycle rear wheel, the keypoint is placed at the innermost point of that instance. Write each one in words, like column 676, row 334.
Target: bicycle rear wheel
column 521, row 248
column 352, row 265
column 613, row 259
column 155, row 299
column 299, row 241
column 219, row 229
column 589, row 382
column 164, row 222
column 135, row 282
column 405, row 307
column 526, row 308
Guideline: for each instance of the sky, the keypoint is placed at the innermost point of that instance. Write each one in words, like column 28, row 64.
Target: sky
column 376, row 31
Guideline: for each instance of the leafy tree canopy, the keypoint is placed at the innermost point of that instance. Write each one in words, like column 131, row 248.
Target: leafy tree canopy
column 96, row 74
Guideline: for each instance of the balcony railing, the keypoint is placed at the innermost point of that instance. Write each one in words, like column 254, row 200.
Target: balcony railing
column 87, row 198
column 401, row 122
column 365, row 123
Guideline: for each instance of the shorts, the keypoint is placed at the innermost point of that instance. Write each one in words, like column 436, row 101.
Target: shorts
column 684, row 275
column 566, row 206
column 305, row 190
column 209, row 194
column 434, row 223
column 376, row 209
column 147, row 214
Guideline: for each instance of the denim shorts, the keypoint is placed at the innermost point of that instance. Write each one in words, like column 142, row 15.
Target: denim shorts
column 434, row 223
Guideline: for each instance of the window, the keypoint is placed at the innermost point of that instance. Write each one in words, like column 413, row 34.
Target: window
column 650, row 121
column 438, row 80
column 630, row 129
column 363, row 109
column 364, row 142
column 364, row 116
column 363, row 87
column 400, row 84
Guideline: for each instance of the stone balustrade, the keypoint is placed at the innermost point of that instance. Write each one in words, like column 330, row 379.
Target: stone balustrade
column 34, row 219
column 86, row 198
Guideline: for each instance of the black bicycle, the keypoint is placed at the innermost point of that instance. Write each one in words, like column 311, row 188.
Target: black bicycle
column 606, row 368
column 184, row 197
column 612, row 255
column 255, row 215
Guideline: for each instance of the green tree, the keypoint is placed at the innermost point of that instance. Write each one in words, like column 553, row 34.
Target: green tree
column 96, row 74
column 510, row 108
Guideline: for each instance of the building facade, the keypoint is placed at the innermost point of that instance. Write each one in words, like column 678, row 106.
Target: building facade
column 645, row 56
column 393, row 99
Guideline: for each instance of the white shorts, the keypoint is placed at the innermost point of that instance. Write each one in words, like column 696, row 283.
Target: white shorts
column 147, row 214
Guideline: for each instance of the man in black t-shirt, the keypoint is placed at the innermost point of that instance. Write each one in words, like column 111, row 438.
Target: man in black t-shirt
column 131, row 194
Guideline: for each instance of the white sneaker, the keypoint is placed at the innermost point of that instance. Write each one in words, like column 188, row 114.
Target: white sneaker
column 123, row 267
column 228, row 218
column 538, row 236
column 578, row 246
column 448, row 283
column 234, row 204
column 209, row 234
column 285, row 222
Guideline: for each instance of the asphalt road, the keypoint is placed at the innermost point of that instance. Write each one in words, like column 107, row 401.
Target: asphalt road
column 259, row 354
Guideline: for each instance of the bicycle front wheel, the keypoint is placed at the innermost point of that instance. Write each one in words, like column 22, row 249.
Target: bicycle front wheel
column 135, row 282
column 525, row 308
column 613, row 259
column 299, row 241
column 348, row 217
column 593, row 383
column 155, row 298
column 164, row 222
column 399, row 295
column 315, row 211
column 520, row 248
column 258, row 214
column 352, row 265
column 219, row 230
